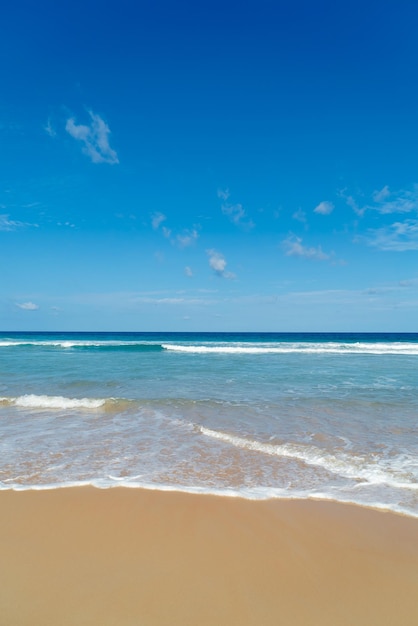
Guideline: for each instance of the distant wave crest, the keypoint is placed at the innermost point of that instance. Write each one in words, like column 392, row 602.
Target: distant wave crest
column 402, row 348
column 87, row 345
column 227, row 348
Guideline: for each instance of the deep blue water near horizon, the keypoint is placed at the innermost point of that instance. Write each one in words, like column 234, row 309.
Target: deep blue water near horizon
column 330, row 415
column 218, row 335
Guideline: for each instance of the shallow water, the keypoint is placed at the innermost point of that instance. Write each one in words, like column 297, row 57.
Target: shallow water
column 258, row 415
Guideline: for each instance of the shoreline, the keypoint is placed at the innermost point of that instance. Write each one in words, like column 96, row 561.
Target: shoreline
column 233, row 495
column 124, row 556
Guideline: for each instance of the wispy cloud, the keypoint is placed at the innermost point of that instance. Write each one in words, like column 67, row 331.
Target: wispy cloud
column 188, row 271
column 324, row 208
column 404, row 201
column 95, row 138
column 409, row 282
column 157, row 219
column 218, row 264
column 238, row 216
column 300, row 216
column 27, row 306
column 382, row 195
column 223, row 194
column 129, row 301
column 7, row 224
column 235, row 212
column 293, row 247
column 397, row 237
column 386, row 202
column 184, row 300
column 49, row 129
column 183, row 239
column 187, row 238
column 380, row 297
column 352, row 203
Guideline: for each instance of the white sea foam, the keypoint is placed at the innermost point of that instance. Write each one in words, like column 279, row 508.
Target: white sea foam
column 249, row 493
column 348, row 466
column 31, row 401
column 222, row 349
column 402, row 348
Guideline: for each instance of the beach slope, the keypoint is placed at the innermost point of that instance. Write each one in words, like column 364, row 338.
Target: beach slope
column 131, row 557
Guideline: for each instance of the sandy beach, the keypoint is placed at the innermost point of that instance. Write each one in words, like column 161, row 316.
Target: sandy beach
column 83, row 556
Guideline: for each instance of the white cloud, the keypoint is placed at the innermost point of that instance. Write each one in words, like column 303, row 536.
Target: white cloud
column 387, row 202
column 404, row 201
column 324, row 208
column 397, row 237
column 8, row 224
column 293, row 247
column 235, row 212
column 157, row 219
column 237, row 215
column 223, row 194
column 188, row 271
column 300, row 216
column 49, row 129
column 380, row 196
column 352, row 203
column 27, row 306
column 183, row 240
column 188, row 238
column 94, row 137
column 218, row 263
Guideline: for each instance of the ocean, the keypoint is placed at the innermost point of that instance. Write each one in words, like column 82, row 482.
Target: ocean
column 256, row 415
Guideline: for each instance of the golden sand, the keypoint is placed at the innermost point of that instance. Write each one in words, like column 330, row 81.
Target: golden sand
column 129, row 557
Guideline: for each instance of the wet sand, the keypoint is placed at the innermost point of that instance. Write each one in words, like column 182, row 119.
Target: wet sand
column 129, row 557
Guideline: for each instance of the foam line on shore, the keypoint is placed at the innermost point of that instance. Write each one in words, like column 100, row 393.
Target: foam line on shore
column 251, row 494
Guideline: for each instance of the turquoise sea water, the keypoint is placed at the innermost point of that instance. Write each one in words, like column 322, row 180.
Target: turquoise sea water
column 257, row 415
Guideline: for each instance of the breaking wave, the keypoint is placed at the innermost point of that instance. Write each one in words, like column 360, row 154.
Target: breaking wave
column 353, row 467
column 86, row 345
column 31, row 401
column 228, row 348
column 402, row 348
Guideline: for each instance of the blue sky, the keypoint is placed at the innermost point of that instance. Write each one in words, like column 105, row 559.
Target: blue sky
column 173, row 165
